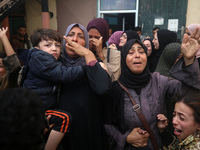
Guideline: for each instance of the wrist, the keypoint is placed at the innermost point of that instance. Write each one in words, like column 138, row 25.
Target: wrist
column 188, row 61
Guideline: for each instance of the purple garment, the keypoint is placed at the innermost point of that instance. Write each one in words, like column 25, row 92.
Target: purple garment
column 102, row 26
column 115, row 38
column 151, row 100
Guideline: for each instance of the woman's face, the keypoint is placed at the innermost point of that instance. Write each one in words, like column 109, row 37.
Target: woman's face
column 2, row 69
column 136, row 59
column 93, row 34
column 76, row 35
column 123, row 40
column 183, row 121
column 155, row 41
column 147, row 43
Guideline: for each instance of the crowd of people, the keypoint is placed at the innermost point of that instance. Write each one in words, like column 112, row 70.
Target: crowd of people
column 100, row 91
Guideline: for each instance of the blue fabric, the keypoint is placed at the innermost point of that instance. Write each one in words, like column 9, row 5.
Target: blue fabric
column 42, row 73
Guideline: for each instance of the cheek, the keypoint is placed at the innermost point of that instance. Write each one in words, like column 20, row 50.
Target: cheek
column 125, row 40
column 81, row 42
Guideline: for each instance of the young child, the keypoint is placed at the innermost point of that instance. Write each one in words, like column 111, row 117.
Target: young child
column 42, row 73
column 186, row 123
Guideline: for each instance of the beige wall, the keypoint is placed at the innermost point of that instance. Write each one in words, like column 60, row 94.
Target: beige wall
column 75, row 11
column 193, row 11
column 34, row 15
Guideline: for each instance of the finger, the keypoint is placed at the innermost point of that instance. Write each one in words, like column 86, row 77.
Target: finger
column 185, row 38
column 100, row 38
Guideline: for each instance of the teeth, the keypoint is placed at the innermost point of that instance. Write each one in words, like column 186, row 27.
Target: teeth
column 177, row 130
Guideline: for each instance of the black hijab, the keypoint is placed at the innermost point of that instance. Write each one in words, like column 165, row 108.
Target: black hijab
column 127, row 77
column 165, row 37
column 151, row 56
column 131, row 34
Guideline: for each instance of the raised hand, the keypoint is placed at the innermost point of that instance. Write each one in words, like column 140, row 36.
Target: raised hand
column 162, row 122
column 3, row 32
column 190, row 46
column 98, row 44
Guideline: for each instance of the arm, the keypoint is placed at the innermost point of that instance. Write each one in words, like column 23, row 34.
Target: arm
column 98, row 78
column 136, row 137
column 47, row 67
column 7, row 46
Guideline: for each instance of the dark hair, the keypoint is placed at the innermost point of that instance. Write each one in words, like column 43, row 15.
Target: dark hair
column 44, row 34
column 22, row 118
column 137, row 28
column 156, row 28
column 192, row 99
column 21, row 26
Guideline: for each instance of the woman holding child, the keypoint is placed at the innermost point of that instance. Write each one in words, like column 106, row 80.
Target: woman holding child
column 80, row 98
column 123, row 127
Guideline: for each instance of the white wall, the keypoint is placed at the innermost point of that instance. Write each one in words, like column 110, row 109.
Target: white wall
column 75, row 11
column 34, row 15
column 193, row 11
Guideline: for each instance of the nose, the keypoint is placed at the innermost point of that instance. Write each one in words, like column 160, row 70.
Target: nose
column 54, row 47
column 137, row 54
column 74, row 38
column 174, row 121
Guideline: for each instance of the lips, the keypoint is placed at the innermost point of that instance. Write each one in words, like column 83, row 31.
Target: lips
column 54, row 54
column 177, row 132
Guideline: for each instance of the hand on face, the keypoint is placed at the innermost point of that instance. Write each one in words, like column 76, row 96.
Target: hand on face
column 97, row 43
column 75, row 47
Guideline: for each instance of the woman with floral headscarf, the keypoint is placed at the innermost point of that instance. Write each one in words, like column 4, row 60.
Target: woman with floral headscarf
column 80, row 98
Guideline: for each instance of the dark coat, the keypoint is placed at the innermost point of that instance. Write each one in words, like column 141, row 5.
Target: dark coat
column 82, row 99
column 42, row 73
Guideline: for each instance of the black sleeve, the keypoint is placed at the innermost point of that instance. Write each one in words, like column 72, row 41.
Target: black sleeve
column 167, row 139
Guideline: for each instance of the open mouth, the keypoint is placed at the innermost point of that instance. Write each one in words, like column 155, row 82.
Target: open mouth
column 137, row 63
column 177, row 131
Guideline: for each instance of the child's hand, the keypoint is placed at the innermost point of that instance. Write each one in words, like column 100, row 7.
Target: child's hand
column 162, row 122
column 3, row 32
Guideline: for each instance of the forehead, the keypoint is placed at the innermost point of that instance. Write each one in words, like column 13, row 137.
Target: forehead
column 48, row 41
column 146, row 42
column 76, row 30
column 22, row 29
column 183, row 109
column 136, row 45
column 94, row 31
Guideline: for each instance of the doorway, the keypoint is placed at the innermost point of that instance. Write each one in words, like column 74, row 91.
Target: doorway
column 120, row 21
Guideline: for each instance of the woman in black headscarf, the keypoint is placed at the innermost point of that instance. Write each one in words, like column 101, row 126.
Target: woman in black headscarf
column 123, row 127
column 161, row 39
column 126, row 36
column 80, row 98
